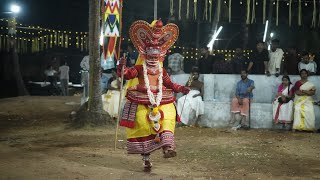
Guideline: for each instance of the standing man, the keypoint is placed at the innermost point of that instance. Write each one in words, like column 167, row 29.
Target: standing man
column 291, row 62
column 259, row 60
column 312, row 59
column 241, row 102
column 64, row 78
column 220, row 66
column 51, row 76
column 305, row 63
column 239, row 62
column 175, row 62
column 206, row 61
column 275, row 58
column 132, row 55
column 85, row 78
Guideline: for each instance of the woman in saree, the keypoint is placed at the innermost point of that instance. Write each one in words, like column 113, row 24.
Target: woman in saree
column 304, row 117
column 110, row 99
column 283, row 103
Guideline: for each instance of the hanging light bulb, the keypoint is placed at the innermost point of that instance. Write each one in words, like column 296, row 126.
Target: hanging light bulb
column 241, row 2
column 257, row 3
column 274, row 3
column 306, row 4
column 225, row 2
column 287, row 4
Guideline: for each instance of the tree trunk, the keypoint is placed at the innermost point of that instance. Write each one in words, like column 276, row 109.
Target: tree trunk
column 22, row 91
column 92, row 113
column 12, row 73
column 95, row 104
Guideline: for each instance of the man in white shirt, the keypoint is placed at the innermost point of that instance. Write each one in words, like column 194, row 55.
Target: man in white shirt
column 275, row 58
column 64, row 78
column 305, row 63
column 51, row 76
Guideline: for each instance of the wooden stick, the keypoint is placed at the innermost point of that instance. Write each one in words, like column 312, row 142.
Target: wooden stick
column 183, row 105
column 119, row 109
column 189, row 84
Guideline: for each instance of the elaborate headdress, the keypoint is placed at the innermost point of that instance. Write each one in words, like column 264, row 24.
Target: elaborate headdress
column 153, row 40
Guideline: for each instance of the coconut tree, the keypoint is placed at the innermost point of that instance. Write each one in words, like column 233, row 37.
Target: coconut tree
column 91, row 112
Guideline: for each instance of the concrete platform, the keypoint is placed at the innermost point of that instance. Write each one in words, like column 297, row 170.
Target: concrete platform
column 220, row 89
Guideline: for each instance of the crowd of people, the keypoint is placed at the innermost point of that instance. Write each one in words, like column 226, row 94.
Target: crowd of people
column 292, row 105
column 261, row 61
column 289, row 103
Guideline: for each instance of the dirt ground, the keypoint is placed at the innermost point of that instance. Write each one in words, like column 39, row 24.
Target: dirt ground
column 36, row 143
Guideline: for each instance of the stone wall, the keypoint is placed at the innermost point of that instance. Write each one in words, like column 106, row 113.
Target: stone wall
column 220, row 88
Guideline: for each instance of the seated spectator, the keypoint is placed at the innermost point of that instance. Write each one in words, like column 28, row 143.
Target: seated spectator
column 239, row 62
column 191, row 106
column 304, row 117
column 259, row 60
column 283, row 103
column 241, row 102
column 290, row 66
column 175, row 62
column 111, row 99
column 220, row 66
column 306, row 64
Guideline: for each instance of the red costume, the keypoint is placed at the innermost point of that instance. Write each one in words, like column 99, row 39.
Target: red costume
column 149, row 113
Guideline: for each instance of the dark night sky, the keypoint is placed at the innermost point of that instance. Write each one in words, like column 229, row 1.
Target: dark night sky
column 59, row 14
column 73, row 14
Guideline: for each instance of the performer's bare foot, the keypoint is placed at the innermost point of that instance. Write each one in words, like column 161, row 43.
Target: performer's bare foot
column 147, row 166
column 146, row 163
column 169, row 154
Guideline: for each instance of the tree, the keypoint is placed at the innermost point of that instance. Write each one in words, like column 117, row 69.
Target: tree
column 91, row 112
column 12, row 79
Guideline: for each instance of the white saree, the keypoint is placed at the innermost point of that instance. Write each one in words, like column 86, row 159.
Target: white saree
column 110, row 100
column 283, row 113
column 304, row 117
column 190, row 107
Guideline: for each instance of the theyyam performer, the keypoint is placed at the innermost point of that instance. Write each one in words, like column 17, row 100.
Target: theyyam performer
column 149, row 114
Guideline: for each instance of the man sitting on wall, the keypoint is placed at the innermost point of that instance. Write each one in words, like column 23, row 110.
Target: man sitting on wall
column 241, row 103
column 191, row 106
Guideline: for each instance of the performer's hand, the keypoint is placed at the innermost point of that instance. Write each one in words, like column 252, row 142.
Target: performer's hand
column 185, row 90
column 123, row 61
